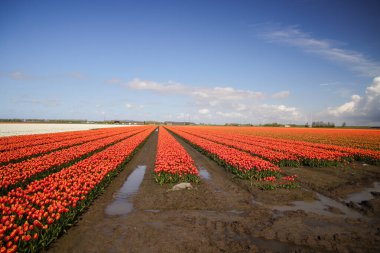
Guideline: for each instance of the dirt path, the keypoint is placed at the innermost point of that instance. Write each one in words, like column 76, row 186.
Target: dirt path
column 221, row 214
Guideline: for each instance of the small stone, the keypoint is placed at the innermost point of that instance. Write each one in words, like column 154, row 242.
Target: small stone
column 182, row 186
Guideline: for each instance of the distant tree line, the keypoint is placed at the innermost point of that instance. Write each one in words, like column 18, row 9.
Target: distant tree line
column 237, row 124
column 322, row 124
column 274, row 124
column 11, row 120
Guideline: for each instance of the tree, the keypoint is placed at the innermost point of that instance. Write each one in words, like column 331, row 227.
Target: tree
column 344, row 124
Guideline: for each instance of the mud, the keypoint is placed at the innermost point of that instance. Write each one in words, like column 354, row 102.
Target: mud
column 356, row 185
column 225, row 214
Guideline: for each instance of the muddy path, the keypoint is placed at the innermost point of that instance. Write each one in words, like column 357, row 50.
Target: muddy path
column 221, row 214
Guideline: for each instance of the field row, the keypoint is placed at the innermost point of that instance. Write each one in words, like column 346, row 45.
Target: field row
column 173, row 163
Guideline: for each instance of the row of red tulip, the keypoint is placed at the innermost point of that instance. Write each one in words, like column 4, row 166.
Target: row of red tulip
column 173, row 163
column 319, row 154
column 276, row 157
column 9, row 140
column 23, row 153
column 239, row 162
column 275, row 150
column 354, row 138
column 371, row 156
column 48, row 138
column 33, row 216
column 16, row 174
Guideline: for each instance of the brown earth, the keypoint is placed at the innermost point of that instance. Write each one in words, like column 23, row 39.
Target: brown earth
column 225, row 214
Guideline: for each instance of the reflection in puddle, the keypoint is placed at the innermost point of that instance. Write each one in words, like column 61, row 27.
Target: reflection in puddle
column 323, row 206
column 236, row 211
column 363, row 195
column 204, row 173
column 121, row 205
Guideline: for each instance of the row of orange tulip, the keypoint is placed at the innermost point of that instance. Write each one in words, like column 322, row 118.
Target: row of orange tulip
column 173, row 163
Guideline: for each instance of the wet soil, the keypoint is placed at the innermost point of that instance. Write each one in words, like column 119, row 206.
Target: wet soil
column 225, row 214
column 356, row 184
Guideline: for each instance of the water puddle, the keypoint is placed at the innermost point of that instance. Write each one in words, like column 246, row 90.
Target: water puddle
column 236, row 212
column 204, row 173
column 323, row 206
column 121, row 205
column 152, row 210
column 364, row 195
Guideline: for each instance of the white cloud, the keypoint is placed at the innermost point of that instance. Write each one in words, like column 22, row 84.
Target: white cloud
column 229, row 93
column 228, row 104
column 133, row 106
column 213, row 102
column 235, row 115
column 349, row 107
column 324, row 48
column 240, row 107
column 259, row 113
column 138, row 84
column 361, row 108
column 281, row 94
column 203, row 111
column 202, row 93
column 282, row 111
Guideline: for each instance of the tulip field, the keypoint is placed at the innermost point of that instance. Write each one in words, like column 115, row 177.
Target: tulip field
column 282, row 151
column 56, row 180
column 48, row 180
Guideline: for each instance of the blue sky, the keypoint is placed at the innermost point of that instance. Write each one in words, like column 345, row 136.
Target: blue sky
column 203, row 61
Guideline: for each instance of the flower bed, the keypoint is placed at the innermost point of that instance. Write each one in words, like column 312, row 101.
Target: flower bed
column 173, row 163
column 34, row 216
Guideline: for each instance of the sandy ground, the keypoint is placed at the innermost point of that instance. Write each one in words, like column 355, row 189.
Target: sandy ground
column 225, row 214
column 11, row 129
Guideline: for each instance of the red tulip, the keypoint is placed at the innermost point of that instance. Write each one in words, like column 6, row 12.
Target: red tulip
column 27, row 238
